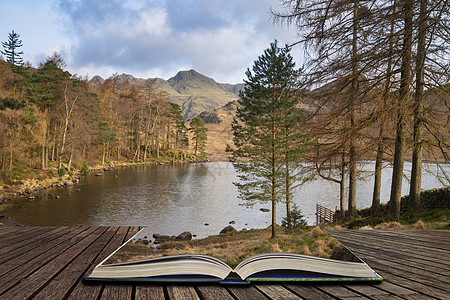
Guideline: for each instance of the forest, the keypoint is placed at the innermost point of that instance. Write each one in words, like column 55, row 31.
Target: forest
column 53, row 122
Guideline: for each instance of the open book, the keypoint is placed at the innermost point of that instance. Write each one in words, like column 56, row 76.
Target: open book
column 205, row 268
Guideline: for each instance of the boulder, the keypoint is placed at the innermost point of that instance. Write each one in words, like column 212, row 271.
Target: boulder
column 185, row 236
column 161, row 238
column 228, row 229
column 232, row 222
column 264, row 209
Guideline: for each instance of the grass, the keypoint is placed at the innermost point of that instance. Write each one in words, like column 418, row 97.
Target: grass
column 234, row 247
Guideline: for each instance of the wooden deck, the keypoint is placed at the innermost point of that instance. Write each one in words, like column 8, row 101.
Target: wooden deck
column 50, row 263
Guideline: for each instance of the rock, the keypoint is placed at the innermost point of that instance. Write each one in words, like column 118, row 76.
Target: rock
column 232, row 222
column 185, row 236
column 206, row 224
column 264, row 209
column 58, row 197
column 68, row 194
column 31, row 198
column 228, row 229
column 98, row 174
column 106, row 169
column 210, row 117
column 78, row 190
column 161, row 238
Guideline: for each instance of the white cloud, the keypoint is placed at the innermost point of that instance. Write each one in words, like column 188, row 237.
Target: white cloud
column 220, row 39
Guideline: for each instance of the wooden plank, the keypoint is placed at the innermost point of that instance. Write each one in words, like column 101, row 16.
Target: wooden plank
column 33, row 261
column 421, row 275
column 396, row 250
column 246, row 292
column 19, row 237
column 181, row 292
column 28, row 245
column 276, row 292
column 9, row 230
column 26, row 253
column 397, row 244
column 394, row 257
column 439, row 239
column 307, row 291
column 132, row 230
column 60, row 285
column 213, row 292
column 92, row 291
column 125, row 234
column 396, row 277
column 394, row 289
column 367, row 290
column 28, row 286
column 117, row 291
column 146, row 292
column 339, row 291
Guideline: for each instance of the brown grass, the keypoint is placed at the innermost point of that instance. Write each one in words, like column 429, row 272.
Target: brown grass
column 316, row 232
column 234, row 247
column 420, row 225
column 389, row 225
column 305, row 250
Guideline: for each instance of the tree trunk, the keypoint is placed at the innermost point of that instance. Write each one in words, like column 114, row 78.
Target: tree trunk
column 10, row 154
column 157, row 145
column 405, row 82
column 378, row 167
column 288, row 195
column 63, row 141
column 43, row 156
column 104, row 153
column 376, row 198
column 416, row 172
column 69, row 164
column 342, row 186
column 353, row 96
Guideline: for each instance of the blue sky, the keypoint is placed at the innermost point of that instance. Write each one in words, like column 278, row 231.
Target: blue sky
column 146, row 38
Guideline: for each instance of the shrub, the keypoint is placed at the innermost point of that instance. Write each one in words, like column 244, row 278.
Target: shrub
column 61, row 172
column 84, row 168
column 296, row 220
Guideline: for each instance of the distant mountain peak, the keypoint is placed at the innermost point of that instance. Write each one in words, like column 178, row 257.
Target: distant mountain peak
column 191, row 75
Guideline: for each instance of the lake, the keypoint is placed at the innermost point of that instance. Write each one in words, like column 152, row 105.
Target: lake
column 172, row 199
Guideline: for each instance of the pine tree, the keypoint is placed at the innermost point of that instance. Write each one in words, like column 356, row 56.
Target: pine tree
column 11, row 52
column 262, row 132
column 200, row 135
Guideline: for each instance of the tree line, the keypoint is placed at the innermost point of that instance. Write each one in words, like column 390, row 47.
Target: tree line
column 378, row 79
column 51, row 119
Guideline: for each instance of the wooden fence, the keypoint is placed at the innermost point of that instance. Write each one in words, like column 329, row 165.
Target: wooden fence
column 324, row 215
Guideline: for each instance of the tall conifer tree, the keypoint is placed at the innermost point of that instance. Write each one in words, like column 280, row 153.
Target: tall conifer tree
column 11, row 52
column 267, row 109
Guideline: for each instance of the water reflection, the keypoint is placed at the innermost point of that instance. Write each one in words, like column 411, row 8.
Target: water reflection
column 173, row 199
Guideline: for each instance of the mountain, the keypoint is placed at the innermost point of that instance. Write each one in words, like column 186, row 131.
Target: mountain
column 193, row 91
column 218, row 123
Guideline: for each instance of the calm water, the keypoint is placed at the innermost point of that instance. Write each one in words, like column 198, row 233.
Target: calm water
column 173, row 199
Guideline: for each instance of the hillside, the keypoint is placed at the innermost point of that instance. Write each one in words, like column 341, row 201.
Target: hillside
column 218, row 123
column 193, row 91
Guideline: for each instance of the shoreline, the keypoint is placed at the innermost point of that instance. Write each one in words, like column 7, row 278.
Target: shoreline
column 30, row 186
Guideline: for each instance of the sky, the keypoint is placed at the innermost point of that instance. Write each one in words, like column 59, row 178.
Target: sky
column 147, row 38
